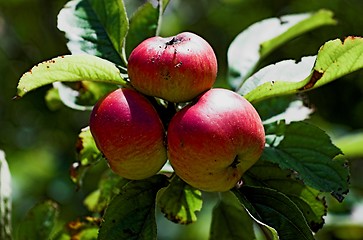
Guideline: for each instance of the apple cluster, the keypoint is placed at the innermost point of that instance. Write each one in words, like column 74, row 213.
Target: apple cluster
column 210, row 142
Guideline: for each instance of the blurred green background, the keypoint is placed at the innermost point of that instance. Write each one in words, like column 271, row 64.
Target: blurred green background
column 40, row 143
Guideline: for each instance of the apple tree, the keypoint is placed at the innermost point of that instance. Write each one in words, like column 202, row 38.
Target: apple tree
column 282, row 194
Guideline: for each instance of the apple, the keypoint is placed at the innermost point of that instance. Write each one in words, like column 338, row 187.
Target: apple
column 128, row 131
column 176, row 69
column 214, row 140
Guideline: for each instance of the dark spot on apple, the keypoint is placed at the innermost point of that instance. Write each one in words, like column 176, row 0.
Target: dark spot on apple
column 166, row 76
column 210, row 173
column 173, row 41
column 235, row 162
column 113, row 221
column 47, row 66
column 315, row 77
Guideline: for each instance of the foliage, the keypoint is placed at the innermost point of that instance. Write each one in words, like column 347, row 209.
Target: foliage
column 282, row 194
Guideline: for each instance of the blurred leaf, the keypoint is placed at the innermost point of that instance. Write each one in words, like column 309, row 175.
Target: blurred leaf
column 53, row 100
column 334, row 60
column 309, row 151
column 179, row 201
column 144, row 24
column 83, row 229
column 87, row 155
column 307, row 199
column 230, row 220
column 131, row 214
column 5, row 199
column 39, row 221
column 69, row 68
column 351, row 144
column 261, row 38
column 110, row 185
column 95, row 27
column 276, row 210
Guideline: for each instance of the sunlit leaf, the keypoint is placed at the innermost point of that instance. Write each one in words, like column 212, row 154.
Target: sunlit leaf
column 351, row 144
column 131, row 214
column 69, row 68
column 276, row 210
column 39, row 221
column 309, row 151
column 230, row 220
column 335, row 59
column 261, row 38
column 5, row 199
column 307, row 199
column 96, row 27
column 87, row 155
column 282, row 77
column 144, row 23
column 289, row 108
column 179, row 201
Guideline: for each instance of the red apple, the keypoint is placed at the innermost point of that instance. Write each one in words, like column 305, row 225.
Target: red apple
column 176, row 69
column 130, row 134
column 214, row 140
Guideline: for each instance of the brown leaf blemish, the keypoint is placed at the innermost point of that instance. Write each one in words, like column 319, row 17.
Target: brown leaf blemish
column 315, row 77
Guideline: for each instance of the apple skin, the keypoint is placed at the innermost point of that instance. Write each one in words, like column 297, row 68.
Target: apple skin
column 214, row 140
column 176, row 69
column 130, row 134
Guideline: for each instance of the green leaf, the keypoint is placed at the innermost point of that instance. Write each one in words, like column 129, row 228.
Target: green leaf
column 309, row 151
column 95, row 27
column 5, row 199
column 69, row 68
column 39, row 221
column 131, row 214
column 276, row 210
column 335, row 59
column 307, row 199
column 143, row 24
column 351, row 144
column 87, row 155
column 230, row 220
column 110, row 185
column 180, row 202
column 260, row 39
